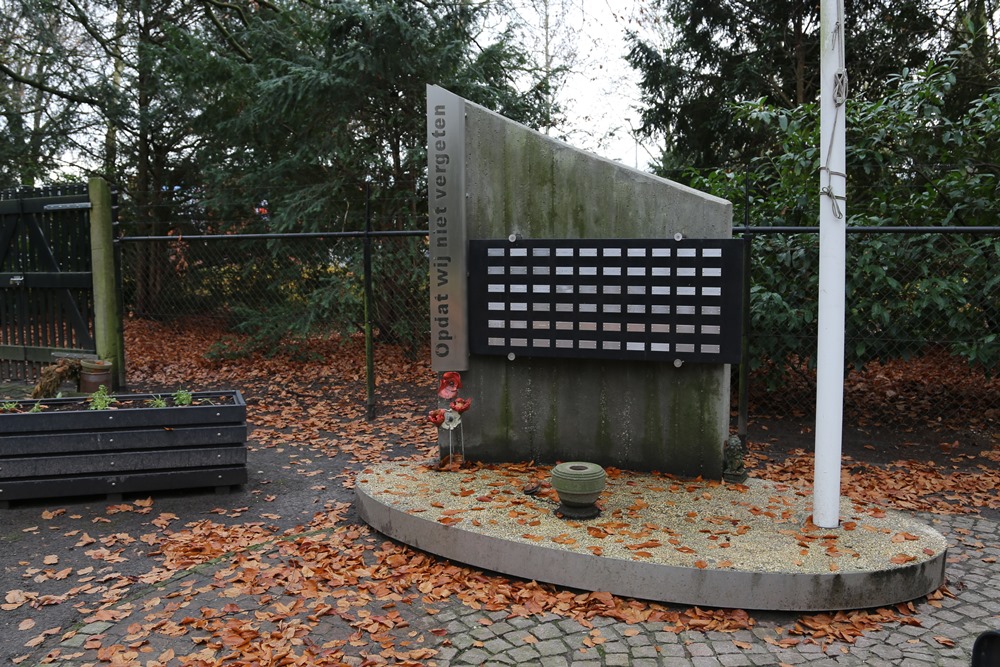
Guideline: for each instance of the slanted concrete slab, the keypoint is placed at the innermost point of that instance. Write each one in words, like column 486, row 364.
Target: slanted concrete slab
column 702, row 543
column 641, row 415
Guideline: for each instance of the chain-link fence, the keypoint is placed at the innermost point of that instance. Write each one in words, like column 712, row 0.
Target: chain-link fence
column 922, row 325
column 923, row 314
column 277, row 290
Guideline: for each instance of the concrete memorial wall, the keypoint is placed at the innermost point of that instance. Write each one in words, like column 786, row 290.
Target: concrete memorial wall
column 560, row 393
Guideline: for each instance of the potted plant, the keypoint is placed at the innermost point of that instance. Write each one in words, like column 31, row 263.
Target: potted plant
column 103, row 443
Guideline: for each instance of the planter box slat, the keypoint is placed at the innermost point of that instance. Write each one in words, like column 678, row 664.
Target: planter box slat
column 36, row 444
column 84, row 485
column 168, row 459
column 81, row 420
column 66, row 451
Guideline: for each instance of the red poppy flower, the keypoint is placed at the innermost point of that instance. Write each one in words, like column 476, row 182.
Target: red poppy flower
column 451, row 382
column 460, row 405
column 436, row 417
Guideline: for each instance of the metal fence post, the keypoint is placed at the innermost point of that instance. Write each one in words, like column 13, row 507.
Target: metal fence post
column 369, row 302
column 743, row 408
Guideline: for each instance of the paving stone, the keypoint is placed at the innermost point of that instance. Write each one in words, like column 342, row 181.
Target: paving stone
column 705, row 662
column 445, row 653
column 455, row 627
column 551, row 647
column 644, row 652
column 568, row 626
column 947, row 615
column 809, row 647
column 721, row 647
column 76, row 641
column 676, row 662
column 523, row 654
column 974, row 612
column 445, row 616
column 645, row 662
column 735, row 660
column 887, row 652
column 617, row 660
column 476, row 656
column 699, row 650
column 554, row 661
column 482, row 633
column 672, row 651
column 95, row 628
column 497, row 645
column 502, row 628
column 763, row 660
column 614, row 647
column 553, row 630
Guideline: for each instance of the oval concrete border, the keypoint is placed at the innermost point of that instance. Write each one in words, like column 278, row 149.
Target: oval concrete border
column 784, row 591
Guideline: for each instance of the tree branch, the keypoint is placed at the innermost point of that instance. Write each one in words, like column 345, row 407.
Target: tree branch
column 38, row 85
column 225, row 33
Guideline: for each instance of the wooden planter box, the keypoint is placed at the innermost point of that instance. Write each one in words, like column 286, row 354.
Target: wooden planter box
column 73, row 452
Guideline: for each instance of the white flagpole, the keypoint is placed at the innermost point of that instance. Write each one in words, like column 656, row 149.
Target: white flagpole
column 832, row 260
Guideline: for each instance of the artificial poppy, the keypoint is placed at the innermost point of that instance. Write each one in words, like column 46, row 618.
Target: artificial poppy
column 451, row 382
column 436, row 417
column 461, row 404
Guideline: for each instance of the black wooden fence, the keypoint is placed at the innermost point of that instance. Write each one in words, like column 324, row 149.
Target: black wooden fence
column 46, row 292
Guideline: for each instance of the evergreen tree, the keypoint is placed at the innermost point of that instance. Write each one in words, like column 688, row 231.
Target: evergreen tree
column 717, row 54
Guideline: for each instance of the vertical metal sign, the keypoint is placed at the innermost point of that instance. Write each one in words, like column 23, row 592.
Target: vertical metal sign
column 446, row 202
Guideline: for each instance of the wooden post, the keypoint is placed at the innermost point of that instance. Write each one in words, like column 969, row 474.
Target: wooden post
column 107, row 317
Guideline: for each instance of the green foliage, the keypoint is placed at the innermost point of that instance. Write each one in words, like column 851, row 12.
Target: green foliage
column 909, row 164
column 156, row 402
column 101, row 399
column 182, row 397
column 9, row 406
column 712, row 54
column 311, row 117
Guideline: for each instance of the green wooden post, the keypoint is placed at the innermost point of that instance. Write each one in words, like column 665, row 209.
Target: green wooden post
column 107, row 317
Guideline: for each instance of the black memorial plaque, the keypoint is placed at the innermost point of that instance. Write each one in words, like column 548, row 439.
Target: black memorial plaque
column 639, row 299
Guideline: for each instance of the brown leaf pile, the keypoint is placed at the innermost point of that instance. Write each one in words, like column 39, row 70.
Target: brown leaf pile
column 352, row 591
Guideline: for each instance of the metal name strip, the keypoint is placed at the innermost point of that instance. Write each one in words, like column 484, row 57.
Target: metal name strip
column 639, row 299
column 446, row 241
column 64, row 207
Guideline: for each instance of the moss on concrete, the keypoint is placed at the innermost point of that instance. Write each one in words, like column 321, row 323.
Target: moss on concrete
column 638, row 415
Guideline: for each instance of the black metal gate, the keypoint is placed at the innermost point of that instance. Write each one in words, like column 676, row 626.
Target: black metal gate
column 46, row 286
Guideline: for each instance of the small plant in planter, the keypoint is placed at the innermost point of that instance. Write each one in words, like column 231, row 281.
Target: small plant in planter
column 156, row 401
column 182, row 397
column 101, row 399
column 451, row 418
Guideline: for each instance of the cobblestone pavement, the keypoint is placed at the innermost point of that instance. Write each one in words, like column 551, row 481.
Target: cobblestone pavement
column 452, row 633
